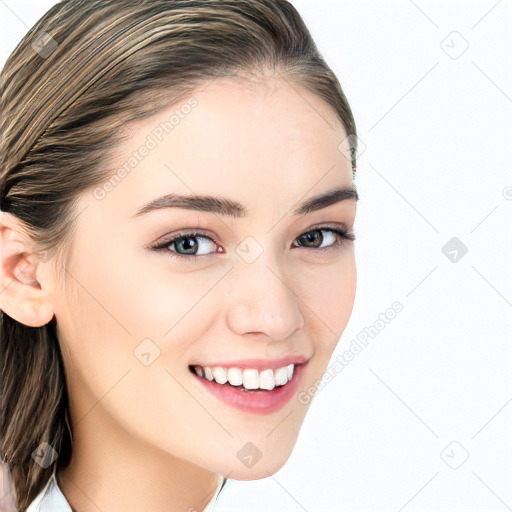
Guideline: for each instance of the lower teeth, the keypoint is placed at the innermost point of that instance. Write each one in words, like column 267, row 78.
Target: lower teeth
column 241, row 388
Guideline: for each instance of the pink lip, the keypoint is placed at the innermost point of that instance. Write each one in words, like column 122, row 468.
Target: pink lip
column 258, row 402
column 259, row 364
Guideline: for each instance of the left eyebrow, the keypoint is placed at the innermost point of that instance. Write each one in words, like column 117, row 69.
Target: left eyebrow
column 224, row 206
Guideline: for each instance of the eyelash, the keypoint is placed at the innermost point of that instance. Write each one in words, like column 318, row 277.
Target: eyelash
column 343, row 237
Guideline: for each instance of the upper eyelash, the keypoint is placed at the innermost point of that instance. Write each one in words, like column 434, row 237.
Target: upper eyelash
column 344, row 234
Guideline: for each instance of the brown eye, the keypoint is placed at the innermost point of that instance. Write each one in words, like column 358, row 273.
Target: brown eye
column 314, row 239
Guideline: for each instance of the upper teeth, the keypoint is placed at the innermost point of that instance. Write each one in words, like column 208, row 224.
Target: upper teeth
column 249, row 378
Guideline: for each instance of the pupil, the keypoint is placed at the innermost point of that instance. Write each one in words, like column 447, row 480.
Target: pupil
column 184, row 240
column 315, row 234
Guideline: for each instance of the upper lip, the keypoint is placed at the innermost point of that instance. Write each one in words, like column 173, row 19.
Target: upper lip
column 259, row 364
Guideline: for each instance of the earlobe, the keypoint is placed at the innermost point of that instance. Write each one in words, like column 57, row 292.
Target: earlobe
column 21, row 295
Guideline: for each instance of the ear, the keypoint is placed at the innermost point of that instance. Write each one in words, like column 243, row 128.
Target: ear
column 21, row 295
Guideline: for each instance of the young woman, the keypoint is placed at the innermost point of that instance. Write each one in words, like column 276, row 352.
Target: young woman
column 177, row 259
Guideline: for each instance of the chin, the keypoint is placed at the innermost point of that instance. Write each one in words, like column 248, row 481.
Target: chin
column 262, row 468
column 257, row 472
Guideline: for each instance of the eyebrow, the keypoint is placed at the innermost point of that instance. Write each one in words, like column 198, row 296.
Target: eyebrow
column 224, row 206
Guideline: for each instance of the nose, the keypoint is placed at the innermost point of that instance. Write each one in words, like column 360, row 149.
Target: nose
column 263, row 301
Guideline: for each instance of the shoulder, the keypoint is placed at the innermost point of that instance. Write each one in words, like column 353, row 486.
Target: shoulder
column 50, row 499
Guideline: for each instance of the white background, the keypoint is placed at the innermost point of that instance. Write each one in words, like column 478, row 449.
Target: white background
column 432, row 391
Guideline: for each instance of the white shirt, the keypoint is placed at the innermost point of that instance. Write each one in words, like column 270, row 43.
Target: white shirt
column 51, row 499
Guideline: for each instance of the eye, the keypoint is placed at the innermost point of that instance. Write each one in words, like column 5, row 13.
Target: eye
column 188, row 245
column 336, row 236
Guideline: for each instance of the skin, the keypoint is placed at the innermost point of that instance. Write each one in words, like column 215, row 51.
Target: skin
column 149, row 436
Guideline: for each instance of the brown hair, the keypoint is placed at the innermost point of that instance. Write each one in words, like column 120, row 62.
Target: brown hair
column 67, row 93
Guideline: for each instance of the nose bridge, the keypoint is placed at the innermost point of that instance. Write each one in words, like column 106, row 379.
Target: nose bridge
column 262, row 298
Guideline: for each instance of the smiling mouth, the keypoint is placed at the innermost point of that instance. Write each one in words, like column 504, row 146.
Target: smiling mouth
column 249, row 380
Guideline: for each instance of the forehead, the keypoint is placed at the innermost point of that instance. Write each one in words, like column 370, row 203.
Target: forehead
column 265, row 142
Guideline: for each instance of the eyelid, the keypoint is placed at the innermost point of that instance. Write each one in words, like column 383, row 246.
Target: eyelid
column 333, row 225
column 167, row 239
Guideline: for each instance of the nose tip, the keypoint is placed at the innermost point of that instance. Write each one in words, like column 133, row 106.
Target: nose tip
column 276, row 325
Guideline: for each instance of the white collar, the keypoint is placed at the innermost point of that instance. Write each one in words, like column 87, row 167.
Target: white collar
column 51, row 499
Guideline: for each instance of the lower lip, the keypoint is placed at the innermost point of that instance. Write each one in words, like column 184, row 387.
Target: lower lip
column 258, row 402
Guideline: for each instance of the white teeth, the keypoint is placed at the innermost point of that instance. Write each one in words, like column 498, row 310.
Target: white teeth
column 219, row 374
column 249, row 378
column 267, row 380
column 235, row 376
column 281, row 376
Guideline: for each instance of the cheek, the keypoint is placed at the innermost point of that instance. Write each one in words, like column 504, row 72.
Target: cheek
column 175, row 307
column 111, row 313
column 328, row 294
column 137, row 300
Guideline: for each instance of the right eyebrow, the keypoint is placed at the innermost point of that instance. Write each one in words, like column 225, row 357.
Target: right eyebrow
column 327, row 199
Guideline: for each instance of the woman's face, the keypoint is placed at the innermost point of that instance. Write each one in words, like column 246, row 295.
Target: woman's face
column 136, row 318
